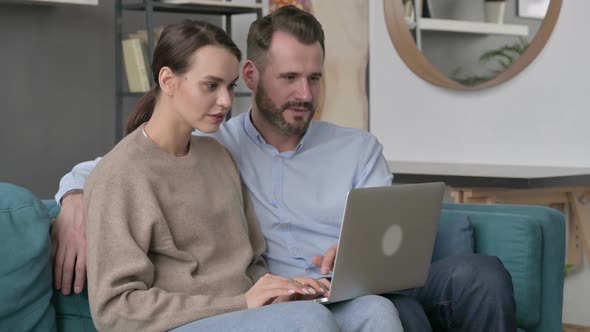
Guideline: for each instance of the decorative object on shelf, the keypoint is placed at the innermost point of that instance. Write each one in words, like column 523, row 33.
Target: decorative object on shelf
column 301, row 4
column 427, row 10
column 533, row 8
column 504, row 57
column 494, row 11
column 433, row 48
column 409, row 9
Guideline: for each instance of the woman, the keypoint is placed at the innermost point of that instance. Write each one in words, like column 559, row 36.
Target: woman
column 171, row 236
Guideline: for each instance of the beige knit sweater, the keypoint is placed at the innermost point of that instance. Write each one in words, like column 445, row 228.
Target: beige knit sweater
column 170, row 239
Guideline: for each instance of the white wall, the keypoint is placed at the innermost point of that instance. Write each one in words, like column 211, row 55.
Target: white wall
column 541, row 117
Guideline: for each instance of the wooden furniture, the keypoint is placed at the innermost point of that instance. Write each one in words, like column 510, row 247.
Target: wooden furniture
column 564, row 188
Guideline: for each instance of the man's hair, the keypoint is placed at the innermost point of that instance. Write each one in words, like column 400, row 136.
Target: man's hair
column 290, row 19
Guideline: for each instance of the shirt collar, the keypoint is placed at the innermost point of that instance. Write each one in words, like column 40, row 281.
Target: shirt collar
column 255, row 135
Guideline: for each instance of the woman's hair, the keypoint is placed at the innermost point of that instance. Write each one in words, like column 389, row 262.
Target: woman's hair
column 174, row 50
column 290, row 19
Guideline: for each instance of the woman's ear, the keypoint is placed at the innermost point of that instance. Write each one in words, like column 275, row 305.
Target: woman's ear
column 167, row 81
column 250, row 74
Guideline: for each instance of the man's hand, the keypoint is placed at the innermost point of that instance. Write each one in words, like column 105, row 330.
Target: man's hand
column 271, row 288
column 68, row 245
column 326, row 262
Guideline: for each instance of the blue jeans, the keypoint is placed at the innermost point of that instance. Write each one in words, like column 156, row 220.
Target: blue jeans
column 463, row 293
column 367, row 313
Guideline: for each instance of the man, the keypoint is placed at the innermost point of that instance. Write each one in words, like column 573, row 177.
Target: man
column 298, row 173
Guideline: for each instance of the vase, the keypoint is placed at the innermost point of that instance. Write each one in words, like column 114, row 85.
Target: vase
column 494, row 11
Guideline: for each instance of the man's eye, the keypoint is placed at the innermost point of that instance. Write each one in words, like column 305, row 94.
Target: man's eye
column 290, row 77
column 211, row 86
column 316, row 78
column 232, row 86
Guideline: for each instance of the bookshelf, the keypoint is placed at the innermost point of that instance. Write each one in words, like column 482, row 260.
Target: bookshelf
column 223, row 8
column 53, row 2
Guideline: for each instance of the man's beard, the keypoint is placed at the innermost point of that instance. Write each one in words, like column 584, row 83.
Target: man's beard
column 274, row 114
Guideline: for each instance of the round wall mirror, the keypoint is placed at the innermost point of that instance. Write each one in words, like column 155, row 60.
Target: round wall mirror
column 467, row 44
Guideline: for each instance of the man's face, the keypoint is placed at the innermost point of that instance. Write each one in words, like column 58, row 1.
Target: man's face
column 289, row 85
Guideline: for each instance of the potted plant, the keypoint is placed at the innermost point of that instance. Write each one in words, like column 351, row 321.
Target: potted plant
column 494, row 11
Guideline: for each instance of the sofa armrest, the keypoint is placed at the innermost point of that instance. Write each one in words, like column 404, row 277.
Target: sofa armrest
column 551, row 227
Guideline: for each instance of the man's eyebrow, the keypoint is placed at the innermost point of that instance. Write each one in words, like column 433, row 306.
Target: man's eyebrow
column 289, row 73
column 298, row 74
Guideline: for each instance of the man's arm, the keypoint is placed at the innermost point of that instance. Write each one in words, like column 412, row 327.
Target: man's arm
column 373, row 172
column 68, row 232
column 75, row 179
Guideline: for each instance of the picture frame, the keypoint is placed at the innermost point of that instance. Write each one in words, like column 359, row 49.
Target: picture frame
column 535, row 9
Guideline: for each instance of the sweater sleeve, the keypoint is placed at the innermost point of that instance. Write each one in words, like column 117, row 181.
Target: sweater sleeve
column 258, row 266
column 122, row 218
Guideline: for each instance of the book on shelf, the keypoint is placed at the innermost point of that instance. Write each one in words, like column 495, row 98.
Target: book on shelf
column 143, row 37
column 136, row 65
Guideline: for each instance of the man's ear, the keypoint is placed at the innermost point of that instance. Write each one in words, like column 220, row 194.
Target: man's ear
column 250, row 74
column 167, row 81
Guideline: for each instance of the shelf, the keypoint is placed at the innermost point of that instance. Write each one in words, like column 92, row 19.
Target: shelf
column 206, row 7
column 54, row 2
column 435, row 24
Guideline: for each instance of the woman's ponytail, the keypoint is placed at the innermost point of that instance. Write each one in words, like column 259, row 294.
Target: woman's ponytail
column 143, row 111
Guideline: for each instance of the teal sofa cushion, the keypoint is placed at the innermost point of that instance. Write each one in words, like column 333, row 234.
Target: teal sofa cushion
column 73, row 312
column 517, row 241
column 454, row 237
column 25, row 272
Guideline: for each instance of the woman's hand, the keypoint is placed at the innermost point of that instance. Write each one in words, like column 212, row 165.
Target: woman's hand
column 270, row 287
column 315, row 288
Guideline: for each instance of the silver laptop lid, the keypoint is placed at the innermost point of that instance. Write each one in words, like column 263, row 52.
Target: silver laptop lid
column 386, row 239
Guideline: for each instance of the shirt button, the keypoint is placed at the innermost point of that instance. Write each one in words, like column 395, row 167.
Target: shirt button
column 309, row 270
column 284, row 226
column 277, row 158
column 294, row 252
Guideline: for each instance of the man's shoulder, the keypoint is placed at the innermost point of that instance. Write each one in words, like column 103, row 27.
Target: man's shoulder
column 329, row 131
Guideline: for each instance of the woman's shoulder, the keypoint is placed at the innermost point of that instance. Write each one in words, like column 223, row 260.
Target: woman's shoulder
column 210, row 145
column 119, row 162
column 215, row 151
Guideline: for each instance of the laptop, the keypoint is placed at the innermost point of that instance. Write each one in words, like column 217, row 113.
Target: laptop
column 386, row 240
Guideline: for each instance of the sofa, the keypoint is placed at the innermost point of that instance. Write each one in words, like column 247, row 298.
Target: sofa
column 529, row 240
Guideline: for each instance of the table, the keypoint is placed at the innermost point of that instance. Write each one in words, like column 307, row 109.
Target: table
column 564, row 188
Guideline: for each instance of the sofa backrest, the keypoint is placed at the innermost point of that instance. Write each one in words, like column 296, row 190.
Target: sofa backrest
column 25, row 272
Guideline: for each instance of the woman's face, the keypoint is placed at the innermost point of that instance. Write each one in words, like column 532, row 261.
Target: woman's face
column 205, row 93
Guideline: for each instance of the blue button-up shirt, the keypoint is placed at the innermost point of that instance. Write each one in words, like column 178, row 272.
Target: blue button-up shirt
column 298, row 196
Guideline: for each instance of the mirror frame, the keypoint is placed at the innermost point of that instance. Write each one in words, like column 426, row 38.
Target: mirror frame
column 404, row 43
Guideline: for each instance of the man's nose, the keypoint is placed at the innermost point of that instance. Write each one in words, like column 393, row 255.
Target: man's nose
column 304, row 91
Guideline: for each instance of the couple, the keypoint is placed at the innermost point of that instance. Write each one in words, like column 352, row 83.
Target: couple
column 174, row 238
